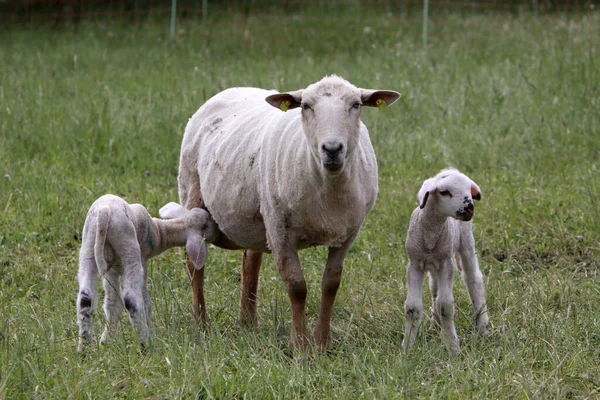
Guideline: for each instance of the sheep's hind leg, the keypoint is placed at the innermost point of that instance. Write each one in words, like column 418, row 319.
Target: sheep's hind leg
column 113, row 304
column 251, row 262
column 444, row 305
column 433, row 288
column 329, row 287
column 86, row 302
column 473, row 279
column 133, row 298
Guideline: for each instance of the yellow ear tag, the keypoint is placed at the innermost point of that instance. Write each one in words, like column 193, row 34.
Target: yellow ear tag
column 284, row 105
column 381, row 104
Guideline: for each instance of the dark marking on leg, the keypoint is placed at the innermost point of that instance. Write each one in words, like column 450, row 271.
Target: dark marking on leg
column 130, row 305
column 85, row 301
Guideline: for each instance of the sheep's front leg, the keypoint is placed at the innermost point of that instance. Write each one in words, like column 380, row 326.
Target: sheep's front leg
column 473, row 279
column 444, row 304
column 197, row 282
column 413, row 306
column 329, row 286
column 251, row 262
column 288, row 264
column 147, row 300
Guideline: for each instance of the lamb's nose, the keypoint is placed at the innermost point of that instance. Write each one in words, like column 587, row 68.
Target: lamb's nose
column 470, row 207
column 332, row 149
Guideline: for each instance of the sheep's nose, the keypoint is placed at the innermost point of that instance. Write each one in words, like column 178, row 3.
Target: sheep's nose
column 332, row 149
column 470, row 207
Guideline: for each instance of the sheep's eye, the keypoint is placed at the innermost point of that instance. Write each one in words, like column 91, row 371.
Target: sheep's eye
column 356, row 105
column 306, row 106
column 445, row 193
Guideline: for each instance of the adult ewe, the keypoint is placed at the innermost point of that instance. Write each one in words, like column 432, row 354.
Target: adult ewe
column 277, row 181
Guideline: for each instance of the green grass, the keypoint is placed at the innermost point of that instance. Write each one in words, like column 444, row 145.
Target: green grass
column 512, row 101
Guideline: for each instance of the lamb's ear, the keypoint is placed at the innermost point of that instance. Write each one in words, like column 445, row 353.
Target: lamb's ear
column 171, row 210
column 378, row 98
column 475, row 192
column 196, row 250
column 427, row 188
column 285, row 101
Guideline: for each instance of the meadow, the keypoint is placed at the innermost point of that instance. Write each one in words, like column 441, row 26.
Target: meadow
column 511, row 100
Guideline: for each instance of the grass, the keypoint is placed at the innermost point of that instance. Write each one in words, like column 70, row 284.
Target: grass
column 512, row 101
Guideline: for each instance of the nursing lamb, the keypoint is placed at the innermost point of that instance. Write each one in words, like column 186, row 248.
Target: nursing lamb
column 117, row 240
column 277, row 181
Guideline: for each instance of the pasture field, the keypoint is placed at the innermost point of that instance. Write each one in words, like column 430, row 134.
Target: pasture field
column 511, row 100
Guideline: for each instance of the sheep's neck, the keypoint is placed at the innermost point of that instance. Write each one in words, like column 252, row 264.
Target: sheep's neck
column 435, row 226
column 169, row 233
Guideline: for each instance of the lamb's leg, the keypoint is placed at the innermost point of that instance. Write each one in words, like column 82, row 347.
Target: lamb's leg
column 329, row 286
column 113, row 304
column 444, row 304
column 86, row 300
column 147, row 300
column 251, row 262
column 413, row 306
column 288, row 264
column 433, row 288
column 197, row 282
column 133, row 298
column 473, row 279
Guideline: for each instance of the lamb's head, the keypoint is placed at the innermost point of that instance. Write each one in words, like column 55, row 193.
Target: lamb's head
column 452, row 193
column 198, row 227
column 330, row 112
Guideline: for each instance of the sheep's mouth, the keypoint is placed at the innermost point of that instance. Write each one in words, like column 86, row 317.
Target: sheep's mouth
column 333, row 166
column 465, row 215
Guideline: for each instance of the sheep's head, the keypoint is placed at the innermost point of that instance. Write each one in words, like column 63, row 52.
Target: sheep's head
column 331, row 116
column 453, row 194
column 199, row 227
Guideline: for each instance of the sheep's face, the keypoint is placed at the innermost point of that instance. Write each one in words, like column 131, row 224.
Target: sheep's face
column 453, row 193
column 203, row 224
column 330, row 112
column 331, row 122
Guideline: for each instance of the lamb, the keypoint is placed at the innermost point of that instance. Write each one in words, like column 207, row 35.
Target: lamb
column 117, row 240
column 440, row 231
column 276, row 182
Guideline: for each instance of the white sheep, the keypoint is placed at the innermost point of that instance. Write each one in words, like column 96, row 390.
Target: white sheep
column 117, row 240
column 277, row 181
column 440, row 232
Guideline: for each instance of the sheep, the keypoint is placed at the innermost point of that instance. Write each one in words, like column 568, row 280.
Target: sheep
column 295, row 171
column 440, row 231
column 117, row 240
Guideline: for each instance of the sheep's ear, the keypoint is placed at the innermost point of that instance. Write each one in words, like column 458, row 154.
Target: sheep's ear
column 427, row 188
column 196, row 250
column 285, row 101
column 171, row 210
column 475, row 192
column 378, row 98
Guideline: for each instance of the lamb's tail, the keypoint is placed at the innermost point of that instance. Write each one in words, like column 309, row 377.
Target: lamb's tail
column 102, row 223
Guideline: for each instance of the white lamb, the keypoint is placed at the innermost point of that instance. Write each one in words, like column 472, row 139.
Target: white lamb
column 117, row 240
column 440, row 232
column 277, row 181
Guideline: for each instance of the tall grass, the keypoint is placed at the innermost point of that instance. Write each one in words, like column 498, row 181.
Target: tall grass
column 511, row 101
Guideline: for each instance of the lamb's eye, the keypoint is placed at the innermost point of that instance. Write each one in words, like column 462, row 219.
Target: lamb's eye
column 445, row 193
column 356, row 105
column 306, row 106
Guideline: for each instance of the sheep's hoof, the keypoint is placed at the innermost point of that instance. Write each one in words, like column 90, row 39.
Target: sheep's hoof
column 301, row 343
